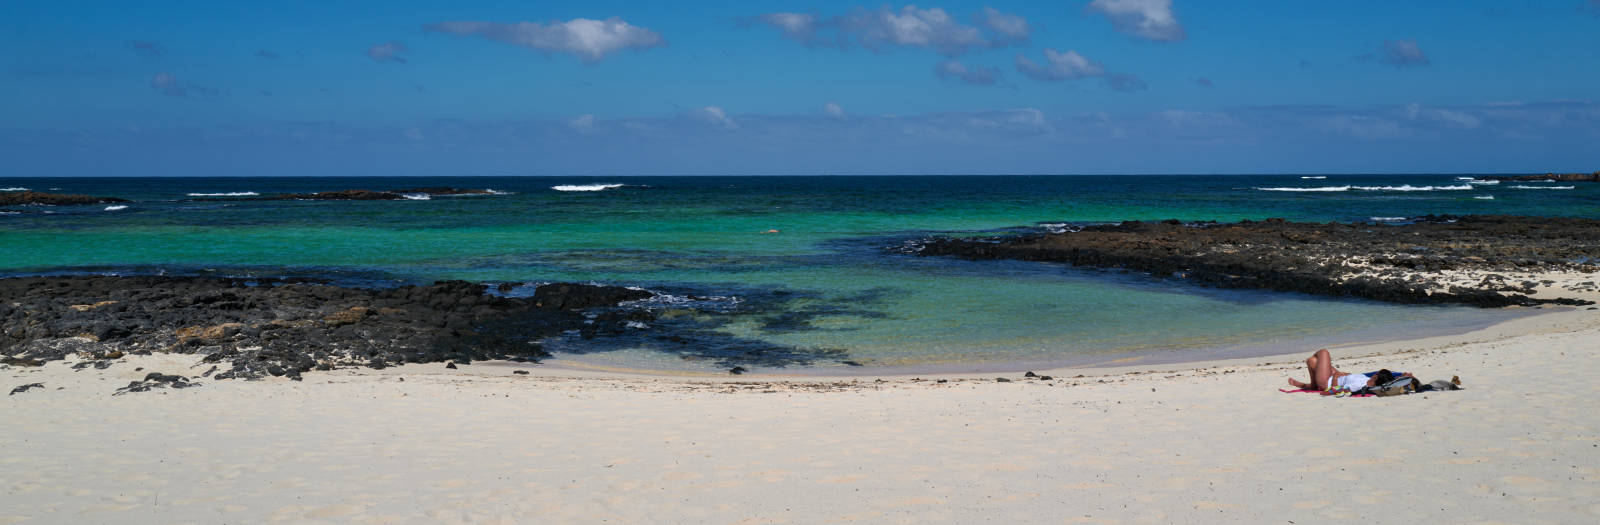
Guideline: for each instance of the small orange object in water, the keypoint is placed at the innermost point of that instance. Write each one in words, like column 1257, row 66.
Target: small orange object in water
column 771, row 231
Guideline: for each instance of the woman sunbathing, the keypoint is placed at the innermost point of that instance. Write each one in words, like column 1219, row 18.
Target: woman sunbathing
column 1327, row 379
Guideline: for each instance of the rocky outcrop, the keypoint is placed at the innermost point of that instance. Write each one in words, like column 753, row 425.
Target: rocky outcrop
column 1394, row 263
column 253, row 329
column 1557, row 177
column 24, row 198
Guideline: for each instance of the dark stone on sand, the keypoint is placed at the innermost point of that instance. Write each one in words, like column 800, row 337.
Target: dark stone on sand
column 520, row 372
column 850, row 363
column 155, row 380
column 737, row 370
column 1030, row 374
column 451, row 366
column 1001, row 380
column 1402, row 261
column 24, row 198
column 25, row 388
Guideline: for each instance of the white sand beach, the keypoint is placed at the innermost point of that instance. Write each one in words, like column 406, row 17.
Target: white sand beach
column 1211, row 442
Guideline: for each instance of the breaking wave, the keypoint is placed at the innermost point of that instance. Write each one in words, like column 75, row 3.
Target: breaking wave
column 117, row 207
column 18, row 188
column 1522, row 187
column 228, row 194
column 1403, row 187
column 585, row 187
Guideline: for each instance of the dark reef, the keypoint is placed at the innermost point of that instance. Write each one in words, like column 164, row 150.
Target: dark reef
column 1386, row 262
column 24, row 198
column 1557, row 177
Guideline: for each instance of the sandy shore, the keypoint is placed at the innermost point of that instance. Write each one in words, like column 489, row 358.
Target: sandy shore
column 1213, row 442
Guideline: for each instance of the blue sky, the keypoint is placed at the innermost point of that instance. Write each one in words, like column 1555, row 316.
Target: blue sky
column 618, row 88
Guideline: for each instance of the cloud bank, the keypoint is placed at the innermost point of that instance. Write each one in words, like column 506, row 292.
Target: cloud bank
column 589, row 40
column 387, row 52
column 1148, row 19
column 910, row 26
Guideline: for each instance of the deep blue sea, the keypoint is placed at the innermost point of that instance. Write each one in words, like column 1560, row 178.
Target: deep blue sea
column 830, row 281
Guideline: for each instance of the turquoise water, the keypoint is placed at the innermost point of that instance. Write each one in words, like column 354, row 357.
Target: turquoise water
column 829, row 285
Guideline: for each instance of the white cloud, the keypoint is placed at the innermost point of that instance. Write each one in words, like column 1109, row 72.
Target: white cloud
column 387, row 52
column 167, row 84
column 909, row 26
column 714, row 116
column 589, row 40
column 1060, row 66
column 1011, row 27
column 1152, row 19
column 913, row 27
column 833, row 110
column 1403, row 53
column 982, row 76
column 800, row 27
column 582, row 123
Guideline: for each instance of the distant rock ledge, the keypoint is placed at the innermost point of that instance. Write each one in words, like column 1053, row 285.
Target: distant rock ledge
column 24, row 198
column 1555, row 177
column 1472, row 260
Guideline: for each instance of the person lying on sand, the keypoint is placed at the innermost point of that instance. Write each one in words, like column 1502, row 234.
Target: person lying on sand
column 1327, row 379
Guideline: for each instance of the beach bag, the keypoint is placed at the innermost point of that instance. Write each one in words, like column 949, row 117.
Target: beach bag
column 1398, row 386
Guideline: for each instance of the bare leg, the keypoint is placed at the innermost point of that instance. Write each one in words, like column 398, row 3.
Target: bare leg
column 1320, row 366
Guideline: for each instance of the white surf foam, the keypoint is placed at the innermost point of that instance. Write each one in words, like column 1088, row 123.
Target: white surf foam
column 1386, row 219
column 1408, row 187
column 18, row 188
column 416, row 196
column 585, row 187
column 1522, row 187
column 1466, row 178
column 1484, row 197
column 117, row 207
column 1314, row 177
column 1322, row 188
column 228, row 194
column 1483, row 182
column 1403, row 187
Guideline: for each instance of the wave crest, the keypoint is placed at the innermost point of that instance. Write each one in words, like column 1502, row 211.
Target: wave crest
column 1522, row 187
column 228, row 194
column 1403, row 187
column 585, row 187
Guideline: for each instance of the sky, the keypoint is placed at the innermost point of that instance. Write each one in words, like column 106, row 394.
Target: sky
column 612, row 88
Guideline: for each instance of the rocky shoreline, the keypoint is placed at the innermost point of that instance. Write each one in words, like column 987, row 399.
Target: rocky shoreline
column 1553, row 177
column 251, row 329
column 1419, row 262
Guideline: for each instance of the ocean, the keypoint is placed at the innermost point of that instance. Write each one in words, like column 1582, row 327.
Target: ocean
column 813, row 268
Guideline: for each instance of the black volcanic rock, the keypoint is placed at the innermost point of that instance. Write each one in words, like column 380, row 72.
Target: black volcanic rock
column 1398, row 262
column 284, row 329
column 574, row 296
column 21, row 198
column 1557, row 177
